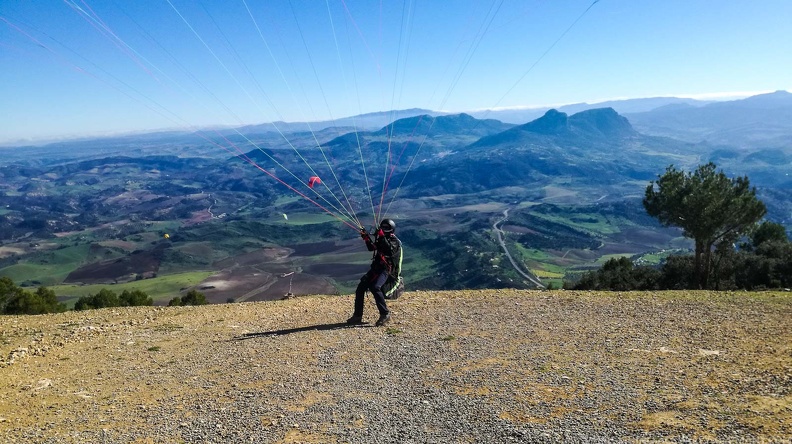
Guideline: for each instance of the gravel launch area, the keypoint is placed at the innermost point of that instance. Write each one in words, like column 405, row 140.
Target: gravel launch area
column 490, row 366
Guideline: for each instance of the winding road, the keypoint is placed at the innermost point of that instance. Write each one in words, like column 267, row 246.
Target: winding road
column 526, row 274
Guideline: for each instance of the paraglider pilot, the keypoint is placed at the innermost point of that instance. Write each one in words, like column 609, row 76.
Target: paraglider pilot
column 384, row 265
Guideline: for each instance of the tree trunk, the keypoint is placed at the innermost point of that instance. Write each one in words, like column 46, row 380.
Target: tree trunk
column 697, row 268
column 705, row 272
column 707, row 262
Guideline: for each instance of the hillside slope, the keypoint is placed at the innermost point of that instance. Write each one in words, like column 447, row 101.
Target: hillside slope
column 477, row 366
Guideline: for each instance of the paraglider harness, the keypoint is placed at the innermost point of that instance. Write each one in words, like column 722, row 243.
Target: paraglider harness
column 389, row 260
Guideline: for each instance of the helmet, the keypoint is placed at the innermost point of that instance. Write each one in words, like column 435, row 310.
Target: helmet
column 387, row 226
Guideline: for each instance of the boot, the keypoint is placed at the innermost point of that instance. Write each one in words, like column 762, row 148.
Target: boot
column 355, row 320
column 383, row 319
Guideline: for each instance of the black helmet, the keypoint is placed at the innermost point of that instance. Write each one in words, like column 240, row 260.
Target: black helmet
column 387, row 226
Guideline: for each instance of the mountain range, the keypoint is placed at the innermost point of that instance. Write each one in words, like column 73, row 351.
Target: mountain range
column 762, row 121
column 573, row 180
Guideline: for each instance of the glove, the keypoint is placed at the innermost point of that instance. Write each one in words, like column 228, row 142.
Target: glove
column 364, row 235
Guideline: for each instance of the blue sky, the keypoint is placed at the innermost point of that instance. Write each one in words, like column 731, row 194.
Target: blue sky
column 88, row 67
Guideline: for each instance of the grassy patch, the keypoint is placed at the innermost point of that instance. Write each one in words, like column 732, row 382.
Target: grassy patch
column 306, row 218
column 605, row 258
column 47, row 268
column 416, row 266
column 285, row 200
column 544, row 274
column 156, row 348
column 591, row 223
column 161, row 288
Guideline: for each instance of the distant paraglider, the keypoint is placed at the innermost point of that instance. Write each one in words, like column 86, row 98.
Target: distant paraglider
column 166, row 236
column 313, row 181
column 285, row 216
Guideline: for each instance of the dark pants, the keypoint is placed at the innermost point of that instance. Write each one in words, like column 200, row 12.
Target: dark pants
column 372, row 281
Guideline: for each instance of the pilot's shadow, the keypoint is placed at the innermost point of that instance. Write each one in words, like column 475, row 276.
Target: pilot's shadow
column 288, row 331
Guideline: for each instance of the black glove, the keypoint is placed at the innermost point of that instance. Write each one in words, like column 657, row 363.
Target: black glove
column 364, row 234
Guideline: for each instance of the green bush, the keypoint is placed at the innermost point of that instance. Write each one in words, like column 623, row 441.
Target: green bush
column 105, row 298
column 40, row 302
column 620, row 275
column 135, row 298
column 193, row 297
column 108, row 298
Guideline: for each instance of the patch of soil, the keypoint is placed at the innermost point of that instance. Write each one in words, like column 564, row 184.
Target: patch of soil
column 264, row 255
column 10, row 251
column 234, row 283
column 342, row 272
column 570, row 257
column 314, row 248
column 197, row 217
column 253, row 284
column 499, row 365
column 121, row 269
column 302, row 284
column 622, row 248
column 644, row 237
column 517, row 229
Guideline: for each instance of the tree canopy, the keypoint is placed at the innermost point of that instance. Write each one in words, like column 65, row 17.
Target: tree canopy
column 16, row 300
column 708, row 206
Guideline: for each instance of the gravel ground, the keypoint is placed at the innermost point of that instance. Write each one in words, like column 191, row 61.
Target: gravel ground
column 495, row 366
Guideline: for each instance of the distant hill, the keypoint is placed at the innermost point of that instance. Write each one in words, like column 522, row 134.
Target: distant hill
column 598, row 147
column 520, row 116
column 444, row 125
column 760, row 121
column 361, row 122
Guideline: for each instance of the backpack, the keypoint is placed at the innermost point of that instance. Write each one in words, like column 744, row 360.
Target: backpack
column 393, row 288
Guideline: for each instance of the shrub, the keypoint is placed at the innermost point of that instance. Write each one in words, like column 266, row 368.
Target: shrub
column 620, row 275
column 135, row 298
column 105, row 298
column 40, row 302
column 193, row 297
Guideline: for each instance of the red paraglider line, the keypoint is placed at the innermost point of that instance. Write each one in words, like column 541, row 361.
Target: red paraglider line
column 362, row 37
column 301, row 194
column 245, row 157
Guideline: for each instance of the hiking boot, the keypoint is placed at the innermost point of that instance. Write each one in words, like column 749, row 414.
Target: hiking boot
column 355, row 320
column 383, row 319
